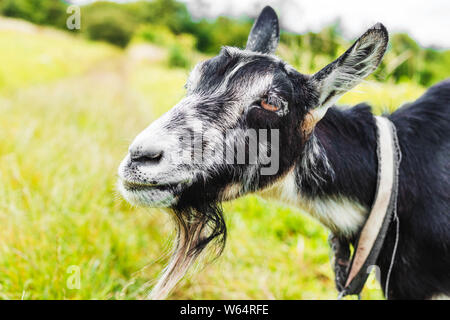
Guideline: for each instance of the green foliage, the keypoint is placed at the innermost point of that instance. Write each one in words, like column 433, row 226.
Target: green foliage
column 326, row 42
column 312, row 51
column 116, row 23
column 177, row 57
column 111, row 32
column 424, row 66
column 158, row 34
column 40, row 12
column 181, row 47
column 106, row 22
column 175, row 19
column 212, row 35
column 161, row 35
column 170, row 13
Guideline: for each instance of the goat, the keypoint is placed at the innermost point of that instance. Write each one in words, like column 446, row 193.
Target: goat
column 325, row 156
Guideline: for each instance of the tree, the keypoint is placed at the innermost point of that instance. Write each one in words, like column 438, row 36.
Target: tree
column 40, row 12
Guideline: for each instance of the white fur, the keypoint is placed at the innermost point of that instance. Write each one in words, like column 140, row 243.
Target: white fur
column 440, row 297
column 349, row 74
column 341, row 215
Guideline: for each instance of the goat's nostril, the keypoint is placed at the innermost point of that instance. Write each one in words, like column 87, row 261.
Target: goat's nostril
column 146, row 156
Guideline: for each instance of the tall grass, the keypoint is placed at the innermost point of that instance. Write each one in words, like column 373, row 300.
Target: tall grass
column 34, row 58
column 65, row 126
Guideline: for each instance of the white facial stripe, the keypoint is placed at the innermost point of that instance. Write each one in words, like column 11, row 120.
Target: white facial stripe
column 250, row 53
column 246, row 57
column 226, row 81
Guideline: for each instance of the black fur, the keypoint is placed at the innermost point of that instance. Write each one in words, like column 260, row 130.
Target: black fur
column 422, row 264
column 265, row 32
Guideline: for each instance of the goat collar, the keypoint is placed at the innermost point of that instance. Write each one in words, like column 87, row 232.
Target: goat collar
column 351, row 276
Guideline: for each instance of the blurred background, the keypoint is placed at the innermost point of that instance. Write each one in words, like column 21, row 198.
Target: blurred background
column 78, row 83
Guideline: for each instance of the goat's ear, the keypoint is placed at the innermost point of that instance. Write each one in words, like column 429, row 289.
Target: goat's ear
column 265, row 33
column 359, row 61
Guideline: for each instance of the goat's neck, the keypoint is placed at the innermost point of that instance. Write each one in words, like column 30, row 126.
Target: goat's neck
column 335, row 178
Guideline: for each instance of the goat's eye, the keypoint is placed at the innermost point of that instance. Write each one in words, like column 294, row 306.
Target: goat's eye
column 268, row 106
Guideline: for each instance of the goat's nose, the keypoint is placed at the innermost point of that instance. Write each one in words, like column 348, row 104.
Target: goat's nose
column 148, row 155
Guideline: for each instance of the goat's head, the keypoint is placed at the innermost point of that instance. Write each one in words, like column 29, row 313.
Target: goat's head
column 241, row 127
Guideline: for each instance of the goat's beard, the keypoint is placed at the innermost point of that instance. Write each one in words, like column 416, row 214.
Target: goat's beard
column 198, row 228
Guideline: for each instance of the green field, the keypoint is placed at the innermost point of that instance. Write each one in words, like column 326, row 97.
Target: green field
column 68, row 110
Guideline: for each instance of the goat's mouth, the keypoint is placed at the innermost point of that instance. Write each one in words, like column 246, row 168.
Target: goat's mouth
column 136, row 186
column 151, row 194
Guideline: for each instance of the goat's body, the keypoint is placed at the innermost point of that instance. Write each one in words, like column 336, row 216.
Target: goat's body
column 342, row 187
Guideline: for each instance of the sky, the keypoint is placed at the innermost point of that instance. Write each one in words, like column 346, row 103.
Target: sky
column 426, row 21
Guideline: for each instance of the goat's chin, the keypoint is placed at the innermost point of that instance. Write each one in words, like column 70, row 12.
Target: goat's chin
column 151, row 197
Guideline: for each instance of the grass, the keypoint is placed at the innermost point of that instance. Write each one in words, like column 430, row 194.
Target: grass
column 66, row 126
column 29, row 59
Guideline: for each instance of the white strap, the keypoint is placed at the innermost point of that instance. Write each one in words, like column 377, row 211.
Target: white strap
column 374, row 223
